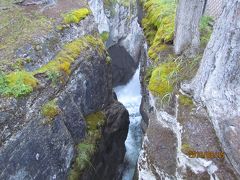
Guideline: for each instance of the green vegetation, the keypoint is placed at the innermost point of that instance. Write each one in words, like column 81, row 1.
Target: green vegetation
column 108, row 60
column 185, row 148
column 17, row 84
column 162, row 81
column 18, row 27
column 206, row 29
column 166, row 77
column 50, row 109
column 148, row 74
column 76, row 16
column 53, row 76
column 70, row 52
column 109, row 5
column 88, row 147
column 104, row 36
column 158, row 25
column 185, row 100
column 21, row 83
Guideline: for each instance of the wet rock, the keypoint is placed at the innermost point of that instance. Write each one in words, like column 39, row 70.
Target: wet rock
column 123, row 66
column 111, row 148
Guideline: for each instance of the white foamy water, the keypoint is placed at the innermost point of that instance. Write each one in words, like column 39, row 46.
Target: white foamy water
column 130, row 96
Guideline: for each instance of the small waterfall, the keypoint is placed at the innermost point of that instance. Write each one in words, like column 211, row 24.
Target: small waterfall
column 130, row 96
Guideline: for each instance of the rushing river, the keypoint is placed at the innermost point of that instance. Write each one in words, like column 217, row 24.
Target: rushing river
column 130, row 96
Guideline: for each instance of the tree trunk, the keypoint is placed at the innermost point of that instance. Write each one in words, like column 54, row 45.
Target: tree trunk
column 217, row 83
column 187, row 36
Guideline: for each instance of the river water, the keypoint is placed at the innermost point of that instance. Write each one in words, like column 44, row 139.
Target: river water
column 130, row 96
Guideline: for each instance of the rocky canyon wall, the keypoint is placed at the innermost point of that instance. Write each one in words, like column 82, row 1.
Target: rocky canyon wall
column 180, row 129
column 58, row 117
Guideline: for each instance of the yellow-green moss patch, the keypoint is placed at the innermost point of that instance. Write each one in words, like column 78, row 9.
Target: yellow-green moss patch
column 50, row 109
column 162, row 80
column 185, row 100
column 158, row 25
column 104, row 36
column 186, row 148
column 87, row 148
column 167, row 75
column 70, row 52
column 17, row 84
column 159, row 20
column 22, row 83
column 76, row 16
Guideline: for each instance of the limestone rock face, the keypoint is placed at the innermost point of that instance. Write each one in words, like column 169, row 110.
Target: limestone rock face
column 187, row 36
column 120, row 20
column 175, row 128
column 216, row 84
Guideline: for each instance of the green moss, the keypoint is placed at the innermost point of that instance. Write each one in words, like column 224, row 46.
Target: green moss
column 76, row 16
column 162, row 81
column 108, row 60
column 70, row 52
column 185, row 100
column 206, row 29
column 53, row 76
column 157, row 48
column 17, row 84
column 166, row 77
column 87, row 148
column 148, row 74
column 50, row 109
column 158, row 25
column 104, row 36
column 22, row 83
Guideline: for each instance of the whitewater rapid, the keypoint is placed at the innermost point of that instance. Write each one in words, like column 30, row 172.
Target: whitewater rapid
column 130, row 96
